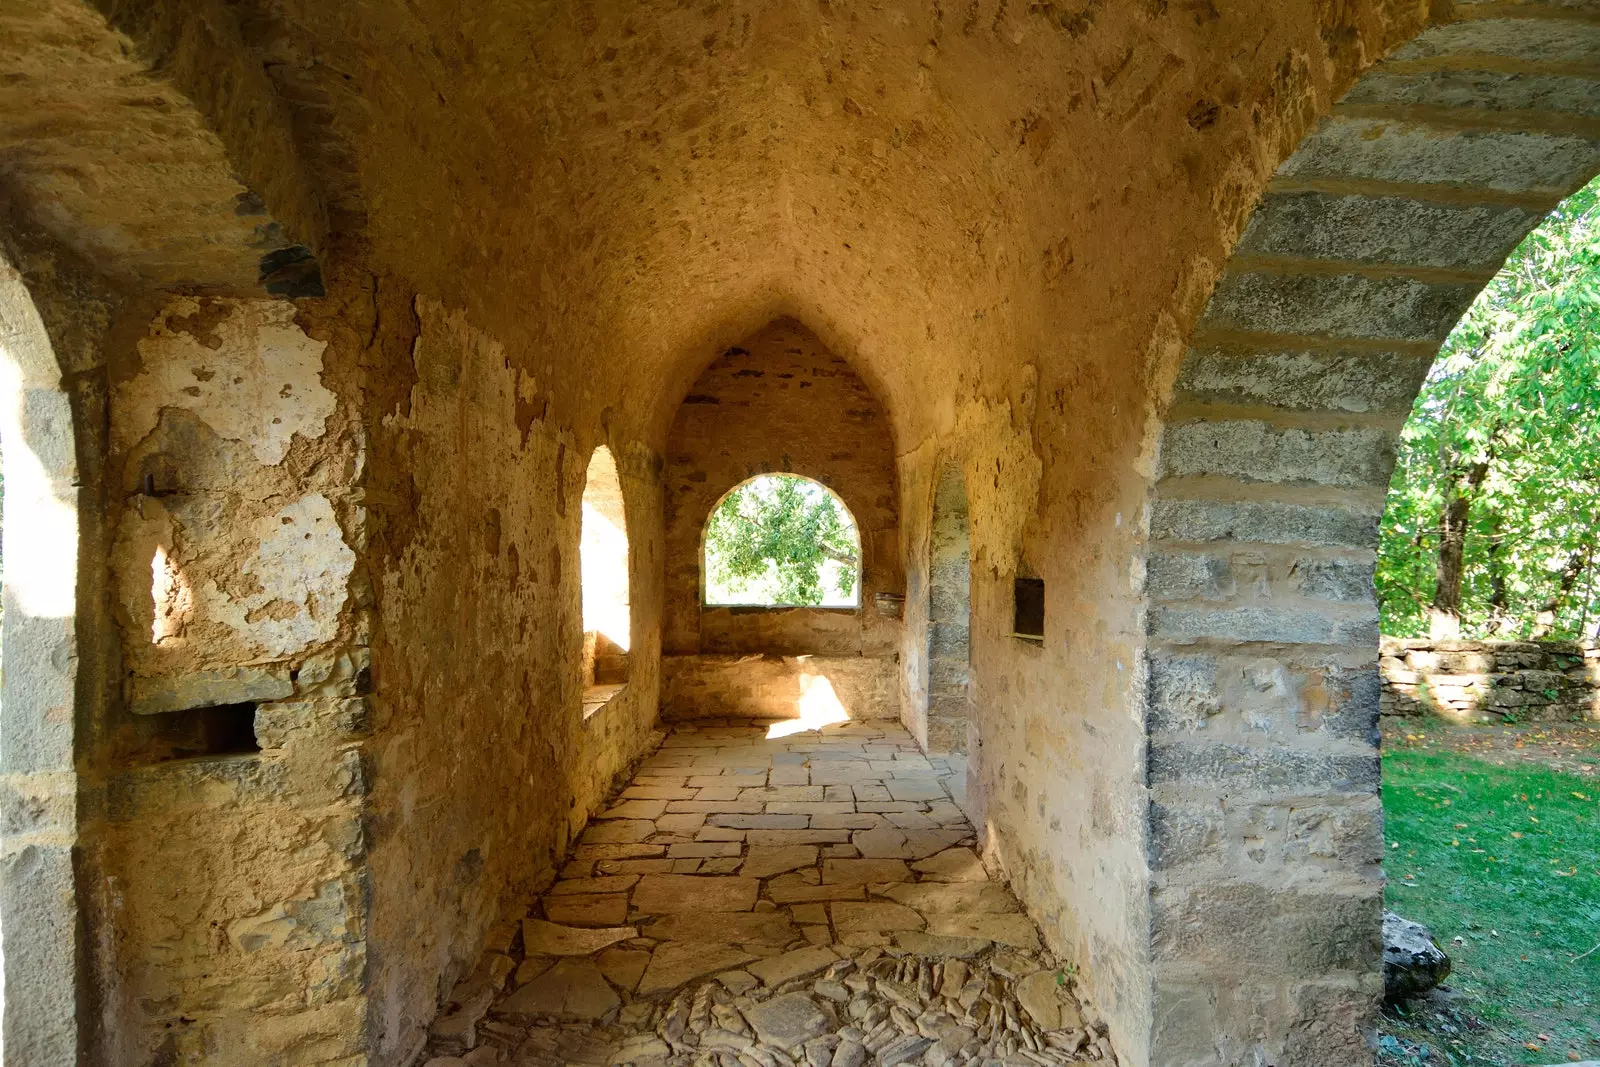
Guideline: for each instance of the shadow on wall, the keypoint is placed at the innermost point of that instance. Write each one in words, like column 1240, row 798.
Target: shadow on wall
column 1491, row 681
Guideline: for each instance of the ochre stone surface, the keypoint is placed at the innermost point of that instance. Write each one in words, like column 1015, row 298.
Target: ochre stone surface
column 314, row 314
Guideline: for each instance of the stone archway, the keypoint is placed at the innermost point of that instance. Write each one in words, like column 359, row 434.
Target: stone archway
column 1370, row 242
column 949, row 615
column 38, row 707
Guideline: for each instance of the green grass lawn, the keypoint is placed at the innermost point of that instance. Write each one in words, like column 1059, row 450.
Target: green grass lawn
column 1507, row 859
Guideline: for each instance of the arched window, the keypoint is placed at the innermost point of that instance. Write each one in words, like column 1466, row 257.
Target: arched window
column 603, row 563
column 780, row 540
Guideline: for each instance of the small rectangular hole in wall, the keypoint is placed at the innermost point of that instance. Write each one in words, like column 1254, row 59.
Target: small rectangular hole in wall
column 220, row 730
column 1028, row 615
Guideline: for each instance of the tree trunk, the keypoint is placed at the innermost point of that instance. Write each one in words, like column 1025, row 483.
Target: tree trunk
column 1499, row 597
column 1444, row 614
column 1546, row 619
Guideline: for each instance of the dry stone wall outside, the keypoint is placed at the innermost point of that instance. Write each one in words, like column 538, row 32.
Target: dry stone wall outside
column 1491, row 681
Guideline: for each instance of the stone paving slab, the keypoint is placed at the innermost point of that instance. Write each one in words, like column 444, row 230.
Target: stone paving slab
column 808, row 901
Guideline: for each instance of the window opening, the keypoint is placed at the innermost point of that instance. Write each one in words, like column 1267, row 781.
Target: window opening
column 781, row 540
column 1028, row 619
column 603, row 563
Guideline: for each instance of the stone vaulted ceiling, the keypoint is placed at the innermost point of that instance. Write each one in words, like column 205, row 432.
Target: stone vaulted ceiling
column 939, row 190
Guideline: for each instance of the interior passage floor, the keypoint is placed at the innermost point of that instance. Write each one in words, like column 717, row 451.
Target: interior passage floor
column 766, row 901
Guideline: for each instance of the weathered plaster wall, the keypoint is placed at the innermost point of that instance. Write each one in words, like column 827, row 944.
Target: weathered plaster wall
column 230, row 882
column 484, row 767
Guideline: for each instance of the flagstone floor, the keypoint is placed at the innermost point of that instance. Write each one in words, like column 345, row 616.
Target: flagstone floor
column 756, row 901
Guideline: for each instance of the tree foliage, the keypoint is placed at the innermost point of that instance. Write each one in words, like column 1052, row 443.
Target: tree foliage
column 1492, row 524
column 781, row 539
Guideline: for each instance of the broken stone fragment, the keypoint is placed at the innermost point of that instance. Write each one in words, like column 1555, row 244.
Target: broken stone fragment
column 540, row 937
column 787, row 1021
column 766, row 928
column 677, row 962
column 669, row 893
column 935, row 945
column 1412, row 962
column 801, row 963
column 573, row 989
column 874, row 918
column 952, row 865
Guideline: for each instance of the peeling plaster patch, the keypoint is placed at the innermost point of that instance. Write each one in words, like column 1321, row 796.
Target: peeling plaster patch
column 303, row 569
column 246, row 369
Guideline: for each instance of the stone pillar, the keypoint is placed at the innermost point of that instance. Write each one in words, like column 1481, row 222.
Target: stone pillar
column 39, row 917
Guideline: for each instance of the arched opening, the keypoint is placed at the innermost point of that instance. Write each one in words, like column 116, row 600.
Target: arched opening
column 1261, row 624
column 782, row 540
column 949, row 615
column 784, row 582
column 603, row 562
column 39, row 954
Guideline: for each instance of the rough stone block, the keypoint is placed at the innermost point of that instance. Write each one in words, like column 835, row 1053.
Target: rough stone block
column 1296, row 933
column 1280, row 771
column 1334, row 579
column 1538, row 40
column 1413, row 153
column 1253, row 451
column 1266, row 523
column 1386, row 230
column 1479, row 90
column 1388, row 308
column 208, row 689
column 1189, row 576
column 1381, row 382
column 1182, row 691
column 1265, row 625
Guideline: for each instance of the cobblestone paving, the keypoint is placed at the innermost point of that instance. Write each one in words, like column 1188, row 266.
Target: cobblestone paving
column 770, row 902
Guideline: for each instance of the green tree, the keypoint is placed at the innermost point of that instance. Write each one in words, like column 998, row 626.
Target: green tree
column 780, row 539
column 1492, row 525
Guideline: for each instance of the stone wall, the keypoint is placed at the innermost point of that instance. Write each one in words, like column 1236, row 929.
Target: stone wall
column 779, row 401
column 485, row 767
column 1491, row 681
column 235, row 753
column 775, row 686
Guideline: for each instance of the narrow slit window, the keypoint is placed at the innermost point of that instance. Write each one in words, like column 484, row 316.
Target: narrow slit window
column 603, row 561
column 1028, row 615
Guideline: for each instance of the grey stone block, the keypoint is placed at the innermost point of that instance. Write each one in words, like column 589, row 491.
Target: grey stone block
column 1417, row 154
column 1479, row 90
column 1294, row 932
column 1384, row 382
column 1254, row 624
column 1334, row 579
column 1338, row 306
column 1189, row 576
column 208, row 689
column 1537, row 40
column 1263, row 522
column 1387, row 230
column 1182, row 692
column 1278, row 771
column 1358, row 457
